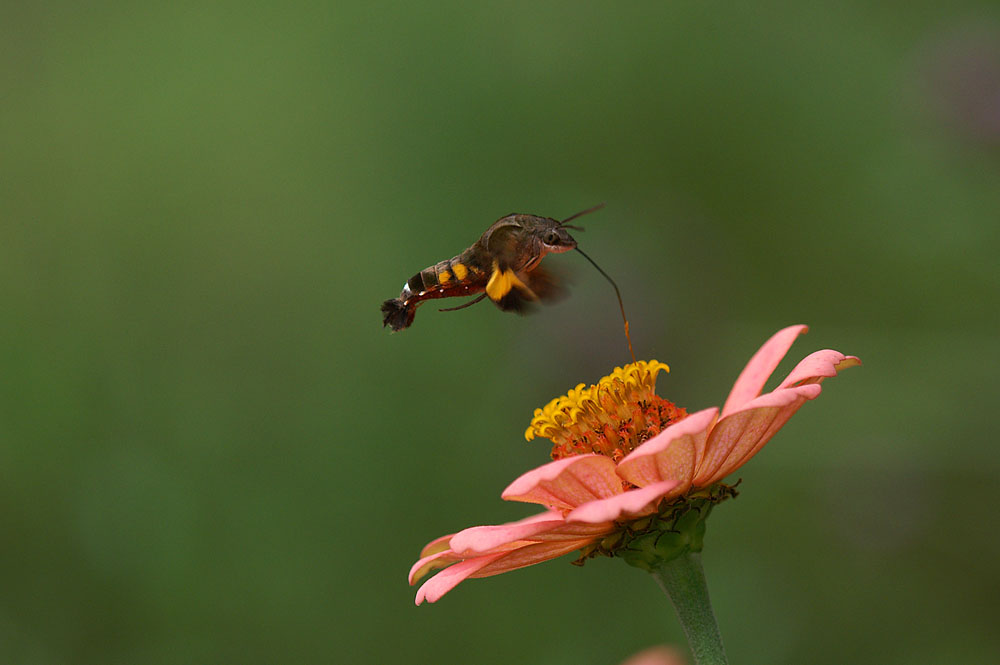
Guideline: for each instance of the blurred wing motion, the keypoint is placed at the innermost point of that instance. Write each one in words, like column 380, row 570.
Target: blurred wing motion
column 518, row 293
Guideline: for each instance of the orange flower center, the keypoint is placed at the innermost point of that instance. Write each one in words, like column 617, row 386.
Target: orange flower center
column 611, row 418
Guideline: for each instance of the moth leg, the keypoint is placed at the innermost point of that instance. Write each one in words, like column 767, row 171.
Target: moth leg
column 464, row 305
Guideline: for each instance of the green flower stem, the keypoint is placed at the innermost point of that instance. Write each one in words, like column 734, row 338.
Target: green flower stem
column 683, row 580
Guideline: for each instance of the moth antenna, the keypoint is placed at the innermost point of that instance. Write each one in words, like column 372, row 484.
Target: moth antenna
column 581, row 214
column 628, row 337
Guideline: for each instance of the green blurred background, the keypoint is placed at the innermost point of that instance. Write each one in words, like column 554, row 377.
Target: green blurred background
column 211, row 451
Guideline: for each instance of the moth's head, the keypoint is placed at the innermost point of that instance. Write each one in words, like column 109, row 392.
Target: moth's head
column 555, row 238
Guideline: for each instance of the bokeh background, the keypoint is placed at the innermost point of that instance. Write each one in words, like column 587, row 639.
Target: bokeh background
column 211, row 451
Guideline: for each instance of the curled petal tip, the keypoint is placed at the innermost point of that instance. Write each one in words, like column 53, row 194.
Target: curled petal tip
column 848, row 361
column 817, row 366
column 437, row 586
column 428, row 564
column 439, row 544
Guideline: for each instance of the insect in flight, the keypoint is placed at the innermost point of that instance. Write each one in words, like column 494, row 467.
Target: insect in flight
column 503, row 265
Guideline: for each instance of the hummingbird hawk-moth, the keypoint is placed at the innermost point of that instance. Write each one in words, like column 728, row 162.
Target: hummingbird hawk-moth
column 503, row 265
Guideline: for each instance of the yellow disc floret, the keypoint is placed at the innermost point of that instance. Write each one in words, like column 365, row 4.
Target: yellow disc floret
column 611, row 418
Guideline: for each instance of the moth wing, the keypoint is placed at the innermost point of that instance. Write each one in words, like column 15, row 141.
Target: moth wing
column 516, row 301
column 547, row 285
column 518, row 292
column 503, row 283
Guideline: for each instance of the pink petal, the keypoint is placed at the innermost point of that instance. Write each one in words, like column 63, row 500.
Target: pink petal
column 630, row 504
column 479, row 540
column 449, row 578
column 673, row 454
column 494, row 564
column 530, row 555
column 425, row 565
column 576, row 530
column 818, row 366
column 753, row 377
column 567, row 483
column 738, row 436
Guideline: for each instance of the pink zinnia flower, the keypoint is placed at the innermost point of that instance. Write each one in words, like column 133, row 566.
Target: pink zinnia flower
column 624, row 458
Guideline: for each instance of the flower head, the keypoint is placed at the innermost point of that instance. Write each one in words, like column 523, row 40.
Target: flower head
column 630, row 467
column 611, row 418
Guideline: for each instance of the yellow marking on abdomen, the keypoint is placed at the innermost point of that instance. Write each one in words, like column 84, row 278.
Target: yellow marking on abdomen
column 460, row 271
column 444, row 277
